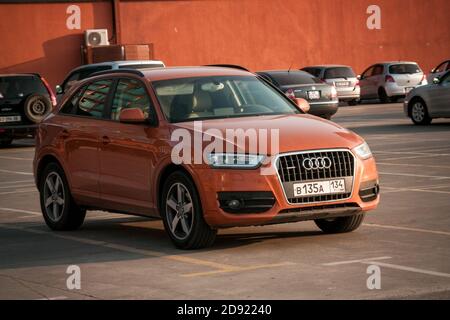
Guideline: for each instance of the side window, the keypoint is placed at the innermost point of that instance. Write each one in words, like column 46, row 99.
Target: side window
column 71, row 104
column 92, row 102
column 368, row 72
column 74, row 77
column 441, row 67
column 130, row 93
column 446, row 79
column 377, row 70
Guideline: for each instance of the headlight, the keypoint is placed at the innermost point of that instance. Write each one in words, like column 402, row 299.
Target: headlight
column 235, row 160
column 363, row 151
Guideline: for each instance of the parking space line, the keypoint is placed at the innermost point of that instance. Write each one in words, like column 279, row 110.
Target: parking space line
column 15, row 182
column 414, row 190
column 53, row 298
column 21, row 211
column 15, row 158
column 17, row 172
column 238, row 269
column 414, row 153
column 19, row 191
column 412, row 165
column 413, row 157
column 16, row 186
column 375, row 225
column 337, row 263
column 405, row 268
column 413, row 175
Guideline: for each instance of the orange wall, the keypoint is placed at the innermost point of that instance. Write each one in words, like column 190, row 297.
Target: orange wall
column 258, row 34
column 34, row 37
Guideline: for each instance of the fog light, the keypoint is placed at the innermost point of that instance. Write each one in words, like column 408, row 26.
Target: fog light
column 234, row 204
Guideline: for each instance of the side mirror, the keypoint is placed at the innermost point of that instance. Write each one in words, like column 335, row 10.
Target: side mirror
column 436, row 80
column 432, row 71
column 132, row 115
column 358, row 77
column 58, row 89
column 302, row 104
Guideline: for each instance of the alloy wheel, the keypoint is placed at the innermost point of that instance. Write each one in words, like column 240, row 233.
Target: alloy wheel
column 180, row 211
column 418, row 111
column 54, row 196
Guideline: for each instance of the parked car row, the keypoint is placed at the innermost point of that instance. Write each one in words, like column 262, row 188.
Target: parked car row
column 25, row 99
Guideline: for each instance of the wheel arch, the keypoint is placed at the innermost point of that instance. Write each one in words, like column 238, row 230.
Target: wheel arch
column 49, row 158
column 166, row 172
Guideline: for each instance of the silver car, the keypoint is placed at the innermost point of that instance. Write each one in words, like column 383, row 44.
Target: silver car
column 438, row 71
column 428, row 102
column 389, row 81
column 85, row 71
column 343, row 78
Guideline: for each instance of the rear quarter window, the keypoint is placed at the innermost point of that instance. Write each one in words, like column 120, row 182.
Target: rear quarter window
column 21, row 86
column 339, row 72
column 404, row 68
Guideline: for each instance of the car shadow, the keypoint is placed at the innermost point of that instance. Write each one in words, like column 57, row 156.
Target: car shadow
column 106, row 240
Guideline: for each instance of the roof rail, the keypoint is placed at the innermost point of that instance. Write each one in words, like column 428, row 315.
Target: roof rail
column 122, row 70
column 233, row 66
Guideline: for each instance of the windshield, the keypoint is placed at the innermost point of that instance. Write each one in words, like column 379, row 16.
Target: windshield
column 339, row 72
column 293, row 78
column 404, row 69
column 20, row 86
column 190, row 99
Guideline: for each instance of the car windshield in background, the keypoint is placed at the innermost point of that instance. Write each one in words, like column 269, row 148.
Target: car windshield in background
column 190, row 99
column 339, row 72
column 141, row 66
column 404, row 68
column 20, row 86
column 293, row 78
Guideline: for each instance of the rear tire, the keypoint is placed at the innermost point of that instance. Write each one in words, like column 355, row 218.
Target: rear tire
column 353, row 102
column 419, row 112
column 382, row 95
column 36, row 107
column 182, row 213
column 326, row 116
column 341, row 224
column 58, row 208
column 6, row 142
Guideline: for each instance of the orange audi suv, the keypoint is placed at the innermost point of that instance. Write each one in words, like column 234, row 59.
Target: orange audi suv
column 202, row 148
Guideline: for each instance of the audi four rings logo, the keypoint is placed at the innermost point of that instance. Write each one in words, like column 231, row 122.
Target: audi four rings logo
column 317, row 163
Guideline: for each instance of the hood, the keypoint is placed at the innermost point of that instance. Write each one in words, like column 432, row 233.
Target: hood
column 296, row 132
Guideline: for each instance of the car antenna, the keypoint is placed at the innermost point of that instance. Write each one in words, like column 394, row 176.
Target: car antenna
column 290, row 67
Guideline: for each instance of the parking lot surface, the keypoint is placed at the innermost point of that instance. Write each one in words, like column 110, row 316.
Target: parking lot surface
column 125, row 257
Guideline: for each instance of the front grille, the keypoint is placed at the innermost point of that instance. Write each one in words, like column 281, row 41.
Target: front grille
column 291, row 170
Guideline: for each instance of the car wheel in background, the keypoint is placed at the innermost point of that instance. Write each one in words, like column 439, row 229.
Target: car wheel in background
column 341, row 224
column 353, row 102
column 182, row 214
column 419, row 112
column 6, row 142
column 36, row 107
column 58, row 208
column 382, row 95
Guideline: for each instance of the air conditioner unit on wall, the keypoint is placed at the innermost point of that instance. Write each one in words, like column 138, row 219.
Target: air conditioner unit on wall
column 96, row 37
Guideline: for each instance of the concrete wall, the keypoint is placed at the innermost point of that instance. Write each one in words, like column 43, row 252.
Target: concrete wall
column 258, row 34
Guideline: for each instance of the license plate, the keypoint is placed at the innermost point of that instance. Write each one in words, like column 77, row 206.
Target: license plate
column 319, row 188
column 313, row 95
column 408, row 89
column 10, row 119
column 342, row 83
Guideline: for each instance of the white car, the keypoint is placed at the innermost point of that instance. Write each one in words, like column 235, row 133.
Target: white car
column 389, row 81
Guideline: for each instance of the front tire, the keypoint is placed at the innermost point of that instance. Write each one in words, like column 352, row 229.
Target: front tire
column 353, row 102
column 182, row 214
column 58, row 208
column 341, row 224
column 419, row 113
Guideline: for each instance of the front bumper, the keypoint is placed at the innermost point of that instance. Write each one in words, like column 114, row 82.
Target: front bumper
column 213, row 182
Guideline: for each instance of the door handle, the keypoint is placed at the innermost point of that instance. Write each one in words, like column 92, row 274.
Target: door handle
column 106, row 140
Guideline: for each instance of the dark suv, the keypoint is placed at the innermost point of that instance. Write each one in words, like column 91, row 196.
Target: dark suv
column 25, row 99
